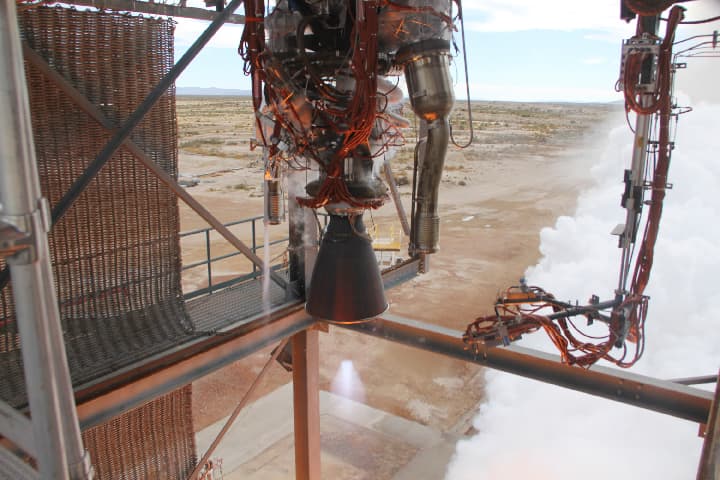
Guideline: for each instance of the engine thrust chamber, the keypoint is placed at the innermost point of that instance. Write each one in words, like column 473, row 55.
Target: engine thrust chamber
column 346, row 285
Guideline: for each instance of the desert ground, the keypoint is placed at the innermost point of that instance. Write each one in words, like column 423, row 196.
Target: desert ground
column 523, row 169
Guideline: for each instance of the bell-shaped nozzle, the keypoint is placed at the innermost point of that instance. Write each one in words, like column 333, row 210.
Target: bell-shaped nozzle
column 346, row 285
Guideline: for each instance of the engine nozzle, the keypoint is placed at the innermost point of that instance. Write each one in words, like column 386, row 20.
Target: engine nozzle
column 346, row 285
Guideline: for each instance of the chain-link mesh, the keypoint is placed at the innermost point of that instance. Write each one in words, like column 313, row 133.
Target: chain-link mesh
column 152, row 442
column 116, row 252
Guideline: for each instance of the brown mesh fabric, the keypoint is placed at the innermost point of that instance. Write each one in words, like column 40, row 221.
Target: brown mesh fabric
column 154, row 441
column 116, row 253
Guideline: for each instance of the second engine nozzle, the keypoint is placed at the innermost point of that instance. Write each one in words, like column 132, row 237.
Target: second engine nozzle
column 346, row 285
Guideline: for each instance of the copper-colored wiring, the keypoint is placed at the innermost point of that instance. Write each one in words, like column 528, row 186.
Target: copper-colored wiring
column 517, row 311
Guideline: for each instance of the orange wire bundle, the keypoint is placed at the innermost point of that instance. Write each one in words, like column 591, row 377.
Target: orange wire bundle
column 517, row 313
column 352, row 118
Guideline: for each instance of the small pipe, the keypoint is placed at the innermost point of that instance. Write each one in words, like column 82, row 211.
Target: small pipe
column 426, row 218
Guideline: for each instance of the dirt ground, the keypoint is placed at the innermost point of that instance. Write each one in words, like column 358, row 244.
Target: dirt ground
column 523, row 169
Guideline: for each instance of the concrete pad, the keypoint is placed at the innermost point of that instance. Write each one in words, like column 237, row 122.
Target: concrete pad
column 358, row 442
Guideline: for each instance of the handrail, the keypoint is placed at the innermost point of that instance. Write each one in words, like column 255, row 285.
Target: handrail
column 230, row 224
column 209, row 259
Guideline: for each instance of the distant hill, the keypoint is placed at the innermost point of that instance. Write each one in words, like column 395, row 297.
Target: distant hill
column 212, row 91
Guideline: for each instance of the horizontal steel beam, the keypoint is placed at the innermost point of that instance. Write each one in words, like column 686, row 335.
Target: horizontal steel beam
column 138, row 384
column 620, row 385
column 156, row 9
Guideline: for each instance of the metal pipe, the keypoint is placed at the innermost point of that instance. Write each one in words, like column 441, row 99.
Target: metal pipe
column 704, row 379
column 620, row 385
column 59, row 449
column 431, row 96
column 133, row 120
column 634, row 201
column 427, row 220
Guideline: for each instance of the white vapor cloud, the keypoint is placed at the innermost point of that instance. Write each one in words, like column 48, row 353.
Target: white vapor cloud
column 532, row 430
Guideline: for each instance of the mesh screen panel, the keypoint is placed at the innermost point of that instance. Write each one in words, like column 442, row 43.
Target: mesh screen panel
column 116, row 253
column 153, row 442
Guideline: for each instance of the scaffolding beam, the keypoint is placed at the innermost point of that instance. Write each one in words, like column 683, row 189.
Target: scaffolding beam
column 141, row 382
column 306, row 404
column 152, row 8
column 620, row 385
column 123, row 132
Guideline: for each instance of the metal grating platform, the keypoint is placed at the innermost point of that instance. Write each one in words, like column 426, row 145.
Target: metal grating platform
column 116, row 253
column 214, row 312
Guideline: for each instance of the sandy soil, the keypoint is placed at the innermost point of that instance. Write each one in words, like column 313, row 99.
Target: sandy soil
column 523, row 170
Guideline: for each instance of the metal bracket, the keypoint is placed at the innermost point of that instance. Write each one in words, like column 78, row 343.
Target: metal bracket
column 19, row 234
column 15, row 235
column 641, row 45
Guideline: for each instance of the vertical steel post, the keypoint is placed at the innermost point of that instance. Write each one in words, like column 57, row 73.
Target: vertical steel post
column 306, row 402
column 60, row 453
column 709, row 467
column 254, row 244
column 209, row 259
column 637, row 169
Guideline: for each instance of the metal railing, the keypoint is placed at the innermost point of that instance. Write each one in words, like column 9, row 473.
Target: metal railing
column 209, row 259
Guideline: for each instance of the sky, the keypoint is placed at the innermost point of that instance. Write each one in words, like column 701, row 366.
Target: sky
column 523, row 50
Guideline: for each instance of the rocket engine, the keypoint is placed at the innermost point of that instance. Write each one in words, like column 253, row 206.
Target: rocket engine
column 325, row 101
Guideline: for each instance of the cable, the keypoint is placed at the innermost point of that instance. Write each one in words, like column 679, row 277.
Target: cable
column 467, row 81
column 698, row 22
